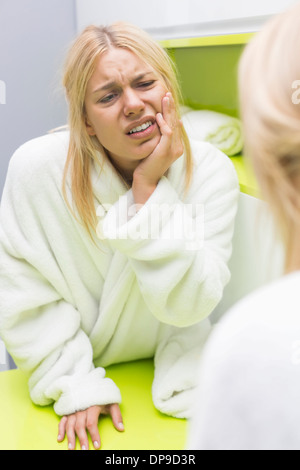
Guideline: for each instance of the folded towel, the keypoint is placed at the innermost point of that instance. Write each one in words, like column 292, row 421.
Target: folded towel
column 221, row 130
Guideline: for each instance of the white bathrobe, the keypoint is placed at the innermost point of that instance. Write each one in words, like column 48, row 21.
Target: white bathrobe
column 69, row 308
column 249, row 375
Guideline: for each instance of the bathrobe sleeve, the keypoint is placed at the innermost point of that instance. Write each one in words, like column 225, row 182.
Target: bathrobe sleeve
column 179, row 246
column 39, row 322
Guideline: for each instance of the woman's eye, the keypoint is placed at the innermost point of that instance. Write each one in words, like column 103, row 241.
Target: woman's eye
column 146, row 84
column 108, row 98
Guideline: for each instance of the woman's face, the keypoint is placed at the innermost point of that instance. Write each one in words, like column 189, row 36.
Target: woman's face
column 123, row 94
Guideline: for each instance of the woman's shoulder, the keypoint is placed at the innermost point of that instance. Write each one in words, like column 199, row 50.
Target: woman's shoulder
column 211, row 167
column 248, row 379
column 214, row 174
column 209, row 158
column 41, row 154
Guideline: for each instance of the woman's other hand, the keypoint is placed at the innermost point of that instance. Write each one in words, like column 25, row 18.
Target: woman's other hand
column 170, row 147
column 87, row 421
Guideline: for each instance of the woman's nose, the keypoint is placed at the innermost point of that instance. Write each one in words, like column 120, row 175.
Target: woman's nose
column 133, row 104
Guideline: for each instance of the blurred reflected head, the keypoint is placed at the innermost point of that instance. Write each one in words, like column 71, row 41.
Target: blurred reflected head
column 268, row 74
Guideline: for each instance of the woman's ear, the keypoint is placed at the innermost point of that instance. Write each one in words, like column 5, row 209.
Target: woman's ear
column 89, row 127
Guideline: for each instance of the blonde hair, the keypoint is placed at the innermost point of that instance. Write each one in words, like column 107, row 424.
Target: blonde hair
column 268, row 70
column 79, row 67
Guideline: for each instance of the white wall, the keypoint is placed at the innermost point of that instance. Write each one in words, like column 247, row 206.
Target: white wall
column 180, row 18
column 34, row 35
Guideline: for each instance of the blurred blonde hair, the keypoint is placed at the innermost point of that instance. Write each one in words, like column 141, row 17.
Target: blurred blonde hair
column 79, row 67
column 268, row 69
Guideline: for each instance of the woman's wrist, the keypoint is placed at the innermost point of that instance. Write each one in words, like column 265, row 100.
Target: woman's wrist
column 142, row 189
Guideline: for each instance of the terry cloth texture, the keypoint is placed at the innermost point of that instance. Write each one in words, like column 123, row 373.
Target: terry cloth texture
column 249, row 381
column 69, row 307
column 221, row 130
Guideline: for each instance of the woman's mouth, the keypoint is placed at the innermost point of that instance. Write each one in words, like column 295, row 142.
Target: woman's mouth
column 145, row 130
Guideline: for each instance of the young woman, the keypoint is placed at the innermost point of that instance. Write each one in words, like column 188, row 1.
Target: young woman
column 115, row 237
column 250, row 379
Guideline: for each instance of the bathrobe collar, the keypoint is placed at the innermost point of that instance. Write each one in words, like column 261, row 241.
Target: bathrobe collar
column 108, row 186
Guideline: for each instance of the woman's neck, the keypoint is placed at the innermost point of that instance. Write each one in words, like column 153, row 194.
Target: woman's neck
column 125, row 172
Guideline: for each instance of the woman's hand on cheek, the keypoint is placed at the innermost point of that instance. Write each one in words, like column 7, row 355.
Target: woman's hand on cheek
column 82, row 421
column 170, row 147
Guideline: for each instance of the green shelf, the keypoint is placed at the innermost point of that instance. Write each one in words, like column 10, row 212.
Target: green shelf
column 208, row 69
column 219, row 40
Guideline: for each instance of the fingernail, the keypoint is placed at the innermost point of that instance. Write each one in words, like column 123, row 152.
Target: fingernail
column 159, row 115
column 96, row 445
column 70, row 446
column 83, row 448
column 59, row 437
column 121, row 426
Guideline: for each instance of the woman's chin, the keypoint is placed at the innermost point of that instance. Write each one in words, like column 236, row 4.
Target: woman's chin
column 148, row 147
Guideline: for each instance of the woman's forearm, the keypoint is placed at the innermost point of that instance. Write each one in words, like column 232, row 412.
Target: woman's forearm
column 142, row 191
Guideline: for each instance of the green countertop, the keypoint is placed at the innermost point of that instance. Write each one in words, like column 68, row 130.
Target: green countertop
column 247, row 180
column 25, row 426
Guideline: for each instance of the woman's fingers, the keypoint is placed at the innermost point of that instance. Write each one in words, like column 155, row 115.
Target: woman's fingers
column 70, row 431
column 169, row 111
column 165, row 129
column 165, row 119
column 93, row 414
column 62, row 428
column 170, row 127
column 169, row 122
column 83, row 422
column 116, row 417
column 80, row 429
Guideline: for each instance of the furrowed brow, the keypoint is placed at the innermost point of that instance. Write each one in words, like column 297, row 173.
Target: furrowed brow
column 107, row 86
column 113, row 84
column 141, row 76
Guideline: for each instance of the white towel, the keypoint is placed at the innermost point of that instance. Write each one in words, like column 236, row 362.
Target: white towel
column 221, row 130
